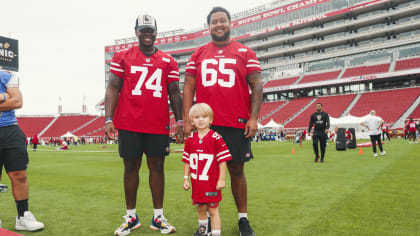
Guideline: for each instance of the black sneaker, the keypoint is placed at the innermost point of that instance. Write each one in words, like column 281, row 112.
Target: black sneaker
column 244, row 227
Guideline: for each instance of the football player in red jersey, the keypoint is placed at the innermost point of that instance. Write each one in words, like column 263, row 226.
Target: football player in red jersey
column 412, row 127
column 205, row 156
column 222, row 73
column 136, row 103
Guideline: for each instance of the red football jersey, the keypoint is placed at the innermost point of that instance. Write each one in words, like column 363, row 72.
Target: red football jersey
column 348, row 134
column 384, row 128
column 204, row 156
column 220, row 80
column 143, row 101
column 412, row 126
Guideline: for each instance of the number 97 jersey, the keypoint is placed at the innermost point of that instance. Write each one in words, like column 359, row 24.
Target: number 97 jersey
column 143, row 101
column 220, row 80
column 203, row 156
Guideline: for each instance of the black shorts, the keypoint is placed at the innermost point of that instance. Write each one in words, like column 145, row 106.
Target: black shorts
column 13, row 153
column 239, row 146
column 412, row 133
column 133, row 145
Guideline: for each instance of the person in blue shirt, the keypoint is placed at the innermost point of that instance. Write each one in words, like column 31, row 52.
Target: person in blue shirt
column 13, row 153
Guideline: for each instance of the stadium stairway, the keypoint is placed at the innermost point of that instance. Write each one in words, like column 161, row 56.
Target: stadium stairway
column 84, row 125
column 273, row 111
column 406, row 114
column 341, row 73
column 300, row 111
column 299, row 79
column 348, row 109
column 48, row 126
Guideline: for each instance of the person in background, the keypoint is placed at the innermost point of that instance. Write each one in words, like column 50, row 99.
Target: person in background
column 321, row 120
column 412, row 128
column 385, row 132
column 373, row 123
column 35, row 141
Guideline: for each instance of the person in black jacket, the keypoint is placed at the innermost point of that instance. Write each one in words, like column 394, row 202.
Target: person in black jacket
column 321, row 120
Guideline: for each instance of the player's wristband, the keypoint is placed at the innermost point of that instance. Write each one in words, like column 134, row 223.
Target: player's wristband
column 180, row 122
column 108, row 120
column 4, row 99
column 186, row 177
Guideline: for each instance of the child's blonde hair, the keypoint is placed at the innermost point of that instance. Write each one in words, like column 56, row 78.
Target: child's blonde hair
column 201, row 108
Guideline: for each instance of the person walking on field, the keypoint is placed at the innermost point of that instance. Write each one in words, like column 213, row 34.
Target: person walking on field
column 321, row 120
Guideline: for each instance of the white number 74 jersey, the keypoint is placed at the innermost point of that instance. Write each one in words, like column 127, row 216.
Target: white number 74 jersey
column 204, row 156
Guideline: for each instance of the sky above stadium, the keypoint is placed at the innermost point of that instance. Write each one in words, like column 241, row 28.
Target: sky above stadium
column 61, row 43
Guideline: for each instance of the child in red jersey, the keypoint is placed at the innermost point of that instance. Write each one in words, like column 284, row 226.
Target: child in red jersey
column 205, row 157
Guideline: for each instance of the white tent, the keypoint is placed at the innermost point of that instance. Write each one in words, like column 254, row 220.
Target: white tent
column 273, row 124
column 67, row 135
column 350, row 121
column 260, row 126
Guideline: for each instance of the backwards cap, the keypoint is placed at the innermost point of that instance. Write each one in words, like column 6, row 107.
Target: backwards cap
column 146, row 21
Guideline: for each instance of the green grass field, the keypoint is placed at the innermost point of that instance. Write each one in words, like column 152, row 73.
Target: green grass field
column 80, row 193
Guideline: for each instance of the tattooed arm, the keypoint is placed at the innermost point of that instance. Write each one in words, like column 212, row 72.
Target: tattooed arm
column 255, row 83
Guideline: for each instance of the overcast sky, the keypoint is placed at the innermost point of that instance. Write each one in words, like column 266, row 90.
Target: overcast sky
column 61, row 43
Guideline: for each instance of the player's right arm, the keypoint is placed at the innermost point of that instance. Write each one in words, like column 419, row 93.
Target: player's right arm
column 311, row 123
column 111, row 100
column 186, row 176
column 188, row 100
column 13, row 99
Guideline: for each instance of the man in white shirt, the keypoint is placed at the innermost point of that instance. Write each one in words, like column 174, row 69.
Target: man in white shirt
column 373, row 123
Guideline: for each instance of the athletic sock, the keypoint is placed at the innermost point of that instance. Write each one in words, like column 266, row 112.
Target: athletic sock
column 203, row 225
column 215, row 232
column 157, row 212
column 242, row 215
column 22, row 206
column 132, row 212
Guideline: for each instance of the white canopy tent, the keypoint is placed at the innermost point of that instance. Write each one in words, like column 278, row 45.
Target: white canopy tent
column 272, row 124
column 350, row 121
column 67, row 135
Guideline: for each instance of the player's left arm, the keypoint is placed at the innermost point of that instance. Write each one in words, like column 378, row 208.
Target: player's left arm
column 176, row 104
column 255, row 83
column 13, row 100
column 222, row 176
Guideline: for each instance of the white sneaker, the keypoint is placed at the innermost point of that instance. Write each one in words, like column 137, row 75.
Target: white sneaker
column 0, row 223
column 375, row 154
column 28, row 222
column 161, row 223
column 383, row 153
column 130, row 223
